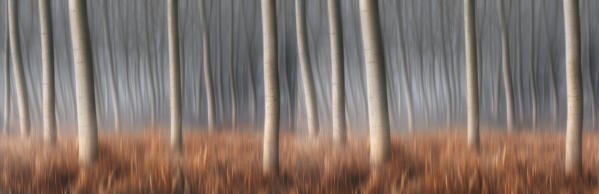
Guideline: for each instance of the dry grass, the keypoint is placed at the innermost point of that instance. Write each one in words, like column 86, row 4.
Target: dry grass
column 231, row 163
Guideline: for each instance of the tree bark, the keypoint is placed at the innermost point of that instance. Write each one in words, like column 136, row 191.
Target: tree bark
column 86, row 107
column 574, row 88
column 471, row 74
column 378, row 115
column 338, row 77
column 307, row 78
column 17, row 61
column 533, row 87
column 175, row 75
column 505, row 63
column 270, row 153
column 49, row 97
column 207, row 69
column 7, row 85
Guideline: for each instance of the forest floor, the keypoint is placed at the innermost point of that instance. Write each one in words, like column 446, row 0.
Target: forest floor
column 231, row 163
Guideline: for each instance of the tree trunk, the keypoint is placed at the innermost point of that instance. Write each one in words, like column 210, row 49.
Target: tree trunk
column 505, row 63
column 207, row 69
column 18, row 73
column 48, row 72
column 84, row 74
column 471, row 74
column 533, row 87
column 378, row 115
column 590, row 69
column 114, row 95
column 7, row 86
column 270, row 153
column 307, row 78
column 574, row 88
column 338, row 77
column 175, row 75
column 406, row 81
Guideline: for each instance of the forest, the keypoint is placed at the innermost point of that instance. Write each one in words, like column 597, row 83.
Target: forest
column 299, row 96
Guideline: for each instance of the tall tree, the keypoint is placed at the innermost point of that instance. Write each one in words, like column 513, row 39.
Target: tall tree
column 574, row 88
column 306, row 68
column 6, row 111
column 270, row 153
column 378, row 115
column 86, row 107
column 532, row 74
column 337, row 77
column 113, row 67
column 406, row 81
column 471, row 73
column 207, row 69
column 175, row 74
column 17, row 61
column 49, row 96
column 505, row 63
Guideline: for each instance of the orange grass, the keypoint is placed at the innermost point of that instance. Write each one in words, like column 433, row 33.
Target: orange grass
column 231, row 163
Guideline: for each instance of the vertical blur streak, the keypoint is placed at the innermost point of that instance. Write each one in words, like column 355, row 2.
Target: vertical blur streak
column 18, row 73
column 49, row 98
column 471, row 73
column 175, row 72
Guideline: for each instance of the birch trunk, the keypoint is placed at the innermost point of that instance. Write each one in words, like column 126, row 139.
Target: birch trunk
column 270, row 153
column 207, row 68
column 338, row 77
column 17, row 61
column 175, row 75
column 7, row 86
column 574, row 88
column 84, row 75
column 49, row 97
column 471, row 74
column 378, row 115
column 306, row 68
column 505, row 63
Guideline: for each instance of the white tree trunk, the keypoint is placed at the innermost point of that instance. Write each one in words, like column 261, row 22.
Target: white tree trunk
column 175, row 72
column 270, row 153
column 505, row 64
column 533, row 87
column 307, row 78
column 338, row 77
column 47, row 72
column 17, row 61
column 207, row 69
column 471, row 74
column 378, row 115
column 6, row 111
column 84, row 81
column 574, row 88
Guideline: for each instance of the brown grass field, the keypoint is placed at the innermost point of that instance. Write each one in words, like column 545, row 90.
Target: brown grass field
column 231, row 163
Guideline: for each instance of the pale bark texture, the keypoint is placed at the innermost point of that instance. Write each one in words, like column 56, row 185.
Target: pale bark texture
column 574, row 88
column 49, row 96
column 337, row 69
column 306, row 68
column 505, row 64
column 270, row 153
column 6, row 110
column 175, row 75
column 84, row 83
column 471, row 74
column 19, row 75
column 378, row 115
column 207, row 69
column 532, row 77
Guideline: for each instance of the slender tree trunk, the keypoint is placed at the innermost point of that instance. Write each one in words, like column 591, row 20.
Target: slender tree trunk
column 114, row 94
column 307, row 78
column 7, row 85
column 18, row 73
column 378, row 115
column 406, row 81
column 574, row 88
column 590, row 67
column 338, row 78
column 86, row 107
column 471, row 74
column 505, row 61
column 449, row 100
column 175, row 75
column 49, row 97
column 207, row 69
column 271, row 89
column 533, row 87
column 232, row 69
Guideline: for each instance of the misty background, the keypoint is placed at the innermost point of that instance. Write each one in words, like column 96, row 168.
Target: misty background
column 424, row 36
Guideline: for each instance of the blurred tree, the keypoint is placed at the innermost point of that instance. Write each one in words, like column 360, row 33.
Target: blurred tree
column 49, row 96
column 471, row 74
column 271, row 89
column 113, row 67
column 175, row 74
column 337, row 77
column 306, row 68
column 6, row 111
column 17, row 61
column 574, row 88
column 207, row 69
column 378, row 115
column 84, row 80
column 505, row 63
